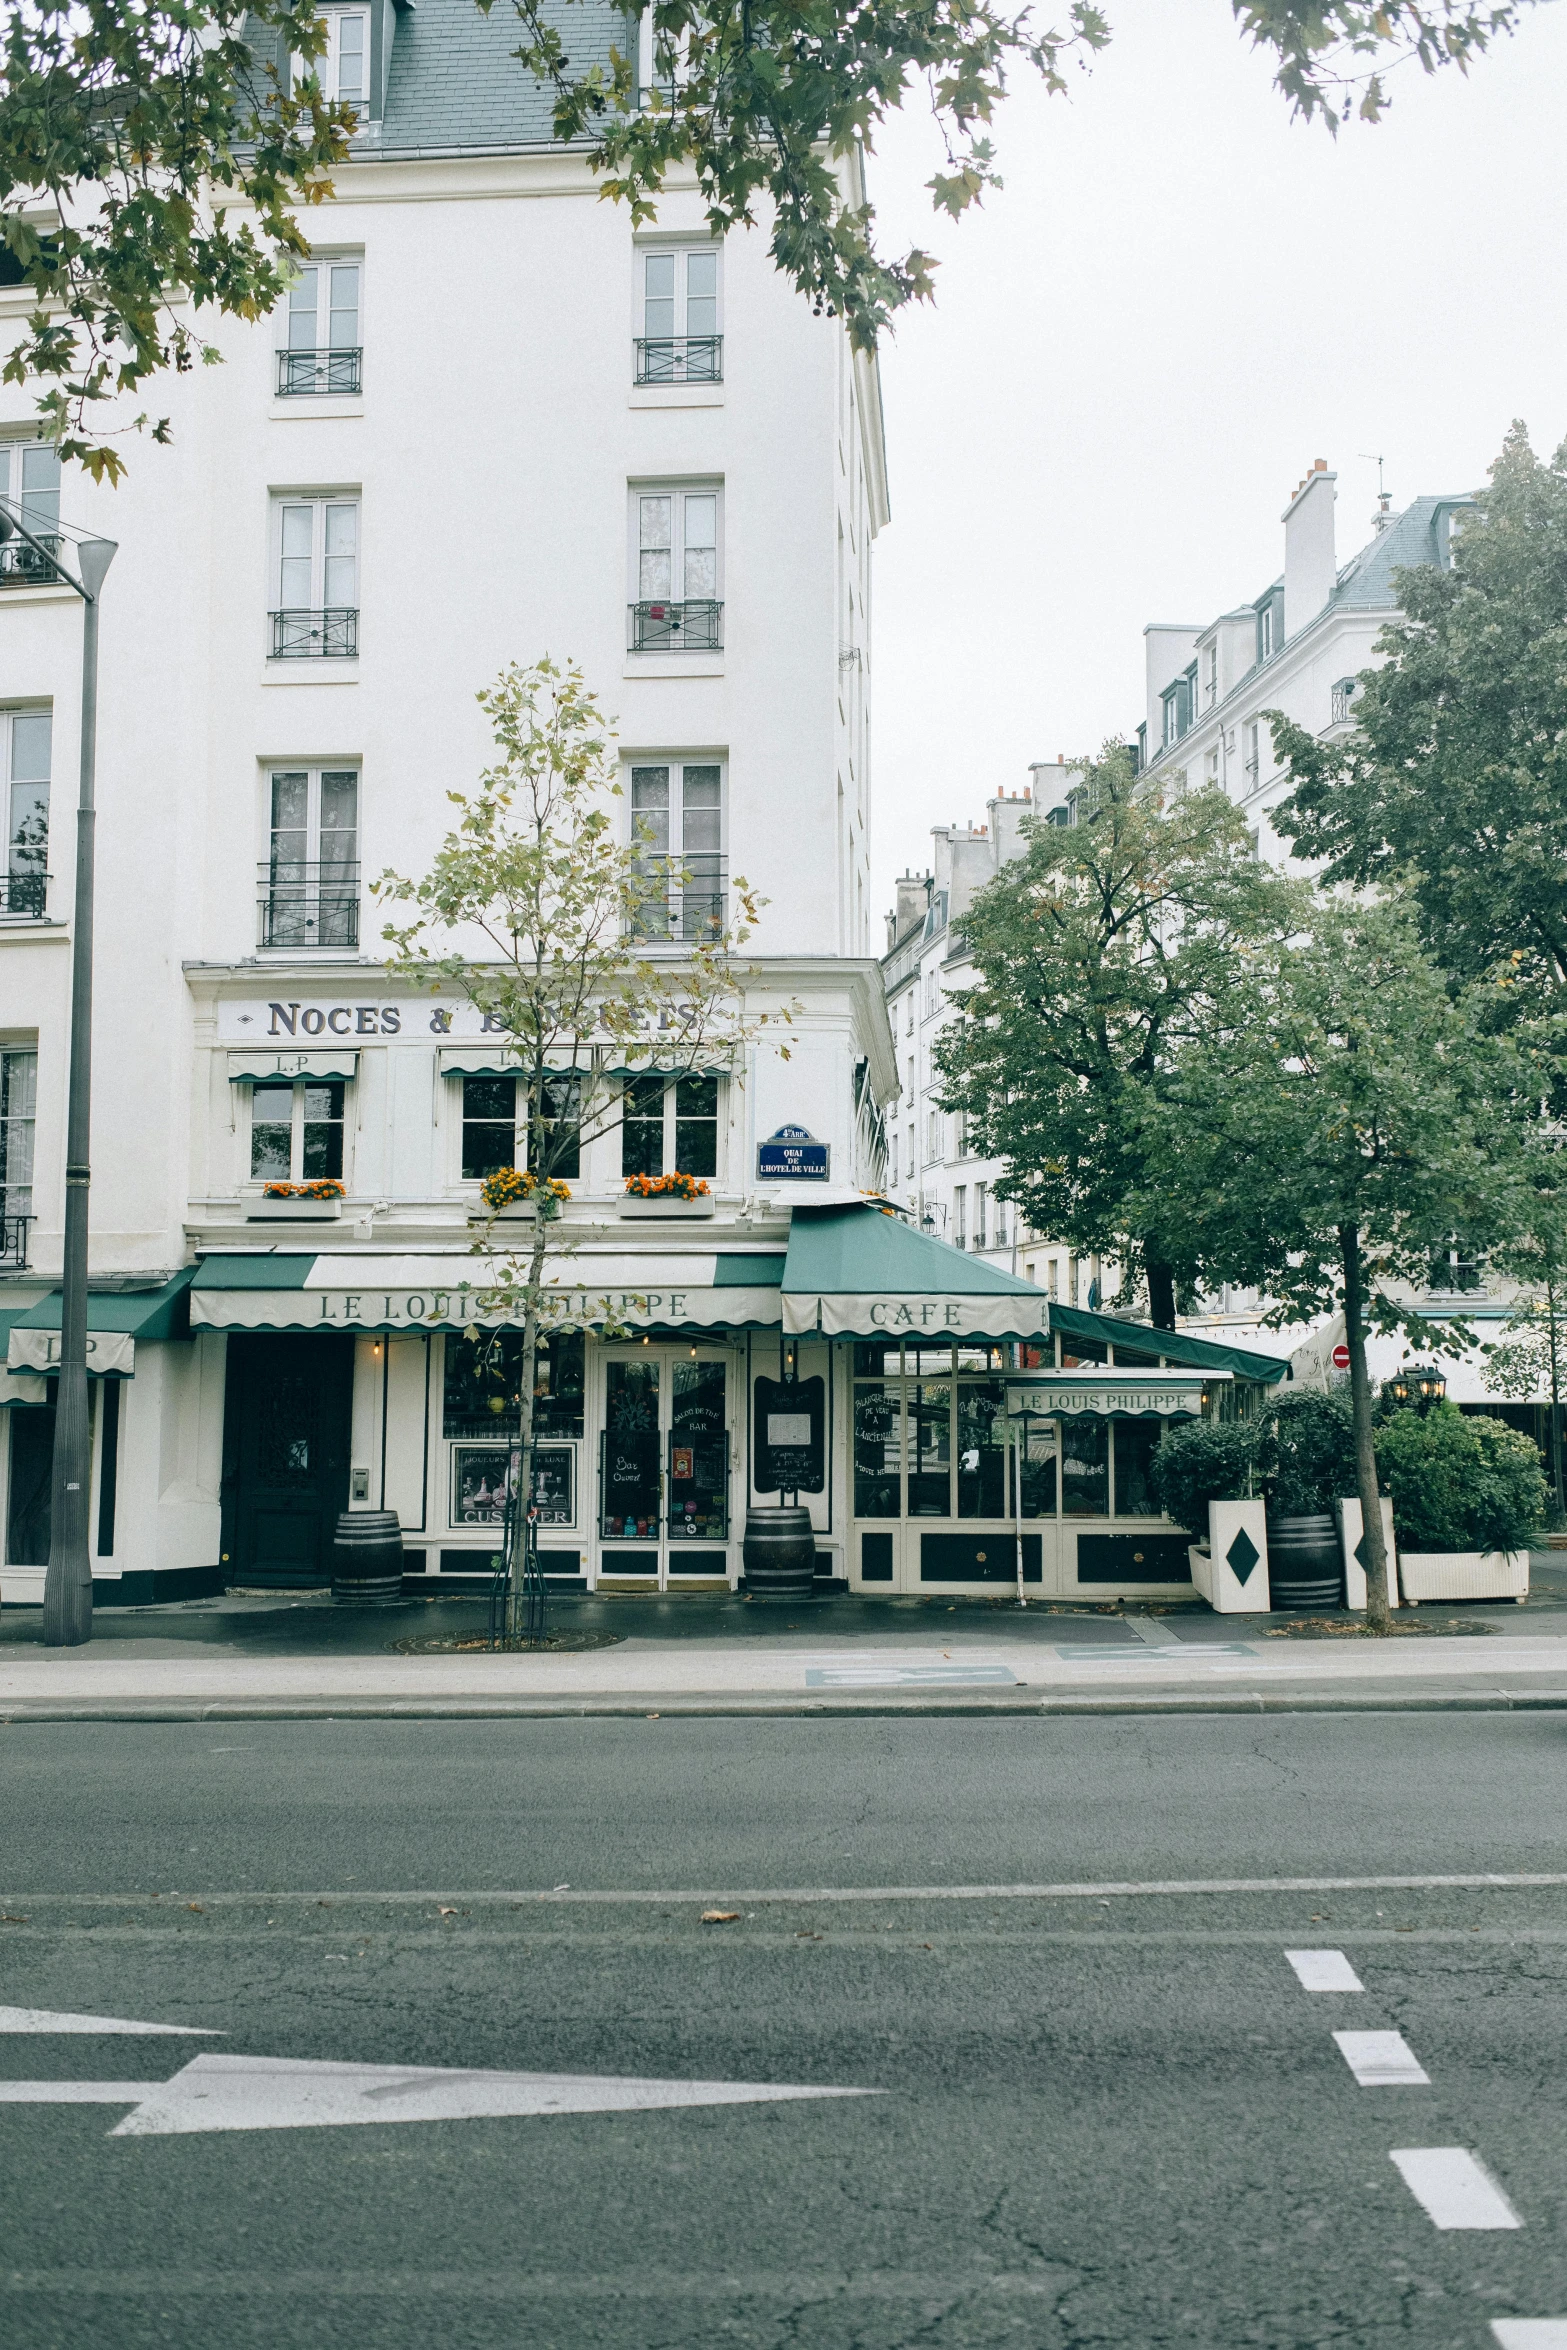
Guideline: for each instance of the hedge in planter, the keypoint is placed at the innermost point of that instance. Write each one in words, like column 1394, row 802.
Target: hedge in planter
column 1306, row 1453
column 1460, row 1482
column 1203, row 1461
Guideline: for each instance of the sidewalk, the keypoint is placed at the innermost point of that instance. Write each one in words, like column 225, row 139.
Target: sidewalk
column 294, row 1655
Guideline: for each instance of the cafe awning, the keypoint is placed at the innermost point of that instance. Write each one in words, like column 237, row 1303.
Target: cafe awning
column 642, row 1289
column 116, row 1319
column 857, row 1271
column 1111, row 1395
column 1176, row 1346
column 286, row 1068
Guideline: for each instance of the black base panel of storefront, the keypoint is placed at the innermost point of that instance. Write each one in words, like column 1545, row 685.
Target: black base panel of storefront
column 155, row 1587
column 977, row 1558
column 1133, row 1558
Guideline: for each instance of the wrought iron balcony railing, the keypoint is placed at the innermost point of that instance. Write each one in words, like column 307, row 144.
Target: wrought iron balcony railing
column 24, row 893
column 692, row 627
column 308, row 906
column 14, row 1232
column 332, row 635
column 23, row 566
column 1343, row 697
column 302, row 372
column 691, row 902
column 680, row 359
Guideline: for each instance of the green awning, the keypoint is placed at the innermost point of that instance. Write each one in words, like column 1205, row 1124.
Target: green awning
column 858, row 1271
column 140, row 1313
column 1176, row 1346
column 116, row 1319
column 1110, row 1395
column 645, row 1288
column 272, row 1269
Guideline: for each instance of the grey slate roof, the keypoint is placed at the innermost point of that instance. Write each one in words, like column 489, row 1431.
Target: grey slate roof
column 455, row 86
column 1418, row 535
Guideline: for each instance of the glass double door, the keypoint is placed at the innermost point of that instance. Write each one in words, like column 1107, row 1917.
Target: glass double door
column 664, row 1465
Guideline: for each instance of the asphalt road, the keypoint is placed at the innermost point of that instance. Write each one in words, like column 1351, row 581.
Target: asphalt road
column 1104, row 2116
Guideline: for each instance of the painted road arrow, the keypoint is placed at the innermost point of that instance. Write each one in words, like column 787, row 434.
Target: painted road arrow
column 44, row 2019
column 278, row 2093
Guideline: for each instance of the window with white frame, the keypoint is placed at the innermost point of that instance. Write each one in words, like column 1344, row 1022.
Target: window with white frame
column 678, row 336
column 25, row 753
column 933, row 1134
column 677, row 818
column 495, row 1124
column 912, row 1155
column 18, row 1115
column 321, row 344
column 343, row 69
column 309, row 883
column 1211, row 681
column 677, row 569
column 1251, row 735
column 960, row 1216
column 979, row 1216
column 669, row 1125
column 316, row 616
column 1211, row 767
column 296, row 1131
column 30, row 487
column 892, row 1159
column 1267, row 628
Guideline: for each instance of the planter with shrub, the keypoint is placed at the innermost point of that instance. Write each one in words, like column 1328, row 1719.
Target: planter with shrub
column 1468, row 1494
column 1204, row 1475
column 1306, row 1458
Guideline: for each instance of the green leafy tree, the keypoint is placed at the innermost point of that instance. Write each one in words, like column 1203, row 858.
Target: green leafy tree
column 538, row 911
column 1455, row 777
column 152, row 157
column 1342, row 1129
column 126, row 136
column 1531, row 1352
column 1104, row 952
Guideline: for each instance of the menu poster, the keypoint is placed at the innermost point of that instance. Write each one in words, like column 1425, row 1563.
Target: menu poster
column 791, row 1435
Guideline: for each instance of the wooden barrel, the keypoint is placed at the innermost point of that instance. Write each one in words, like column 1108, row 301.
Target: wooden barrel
column 779, row 1552
column 367, row 1557
column 1305, row 1562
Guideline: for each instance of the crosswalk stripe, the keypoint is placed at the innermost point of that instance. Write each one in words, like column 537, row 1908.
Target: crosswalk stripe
column 1382, row 2060
column 1453, row 2187
column 1324, row 1970
column 1530, row 2333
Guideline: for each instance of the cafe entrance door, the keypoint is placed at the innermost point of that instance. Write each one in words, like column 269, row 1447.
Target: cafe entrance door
column 663, row 1500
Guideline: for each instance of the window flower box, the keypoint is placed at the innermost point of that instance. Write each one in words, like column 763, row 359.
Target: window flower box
column 294, row 1211
column 664, row 1196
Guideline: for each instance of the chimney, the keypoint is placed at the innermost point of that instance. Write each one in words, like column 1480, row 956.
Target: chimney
column 1310, row 568
column 912, row 902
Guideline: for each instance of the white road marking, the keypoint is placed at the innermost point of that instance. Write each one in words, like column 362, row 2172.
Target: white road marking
column 1324, row 1970
column 1530, row 2333
column 1453, row 2187
column 278, row 2093
column 42, row 2019
column 707, row 1896
column 1382, row 2060
column 909, row 1676
column 1150, row 1630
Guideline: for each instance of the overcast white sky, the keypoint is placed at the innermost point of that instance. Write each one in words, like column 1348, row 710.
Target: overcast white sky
column 1179, row 301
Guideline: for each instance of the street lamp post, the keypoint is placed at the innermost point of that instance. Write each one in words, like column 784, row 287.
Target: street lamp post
column 68, row 1579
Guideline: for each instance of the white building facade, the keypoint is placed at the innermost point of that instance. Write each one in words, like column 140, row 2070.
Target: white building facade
column 636, row 450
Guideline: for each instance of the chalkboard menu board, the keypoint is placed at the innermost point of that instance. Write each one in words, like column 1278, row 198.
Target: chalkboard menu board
column 791, row 1435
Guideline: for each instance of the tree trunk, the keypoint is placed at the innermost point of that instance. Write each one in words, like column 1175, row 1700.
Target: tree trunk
column 1161, row 1295
column 1552, row 1309
column 1378, row 1614
column 523, row 1502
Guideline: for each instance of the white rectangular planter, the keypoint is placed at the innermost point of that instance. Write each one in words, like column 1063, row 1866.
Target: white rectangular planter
column 519, row 1212
column 1465, row 1574
column 1351, row 1526
column 1232, row 1574
column 294, row 1211
column 667, row 1206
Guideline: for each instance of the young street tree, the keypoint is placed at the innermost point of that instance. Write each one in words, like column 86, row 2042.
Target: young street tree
column 1104, row 953
column 538, row 912
column 151, row 157
column 1531, row 1351
column 1455, row 778
column 1343, row 1128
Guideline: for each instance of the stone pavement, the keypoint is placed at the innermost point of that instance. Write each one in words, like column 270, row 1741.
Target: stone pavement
column 295, row 1655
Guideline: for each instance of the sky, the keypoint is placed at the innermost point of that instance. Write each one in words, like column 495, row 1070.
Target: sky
column 1179, row 301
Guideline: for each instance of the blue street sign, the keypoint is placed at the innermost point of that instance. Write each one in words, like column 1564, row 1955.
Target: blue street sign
column 793, row 1155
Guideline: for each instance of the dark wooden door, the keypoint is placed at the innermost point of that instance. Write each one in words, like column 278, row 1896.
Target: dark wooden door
column 286, row 1432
